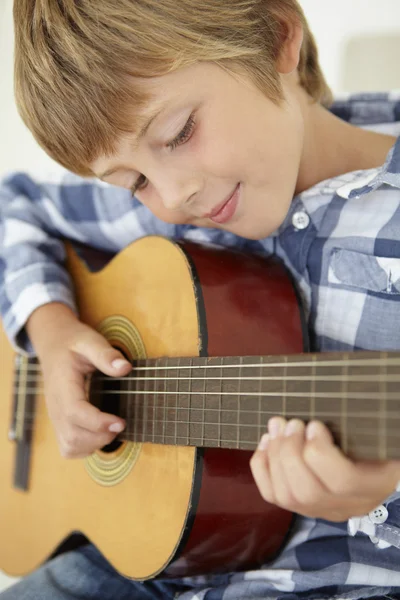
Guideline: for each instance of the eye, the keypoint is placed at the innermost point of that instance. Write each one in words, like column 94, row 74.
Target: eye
column 184, row 135
column 139, row 184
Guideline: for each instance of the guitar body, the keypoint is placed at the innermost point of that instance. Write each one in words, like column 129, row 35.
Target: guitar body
column 152, row 508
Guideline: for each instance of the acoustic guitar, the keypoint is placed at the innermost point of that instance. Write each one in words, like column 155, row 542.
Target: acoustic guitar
column 218, row 345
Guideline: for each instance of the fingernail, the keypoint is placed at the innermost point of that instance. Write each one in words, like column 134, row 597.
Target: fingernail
column 263, row 442
column 276, row 426
column 116, row 428
column 294, row 426
column 312, row 430
column 118, row 363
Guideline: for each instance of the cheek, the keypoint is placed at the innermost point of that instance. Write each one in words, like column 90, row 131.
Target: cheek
column 157, row 208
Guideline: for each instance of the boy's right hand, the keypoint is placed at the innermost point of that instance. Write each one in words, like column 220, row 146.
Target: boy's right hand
column 68, row 351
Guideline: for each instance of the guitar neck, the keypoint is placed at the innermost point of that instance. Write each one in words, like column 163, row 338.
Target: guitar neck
column 226, row 402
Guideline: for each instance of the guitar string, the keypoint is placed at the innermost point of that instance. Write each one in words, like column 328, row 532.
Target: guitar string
column 393, row 416
column 357, row 362
column 353, row 362
column 253, row 426
column 183, row 440
column 349, row 395
column 324, row 378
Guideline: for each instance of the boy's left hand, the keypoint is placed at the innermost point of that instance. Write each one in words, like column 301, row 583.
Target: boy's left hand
column 300, row 468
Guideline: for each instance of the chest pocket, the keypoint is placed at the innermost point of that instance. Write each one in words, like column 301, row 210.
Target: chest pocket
column 359, row 306
column 377, row 274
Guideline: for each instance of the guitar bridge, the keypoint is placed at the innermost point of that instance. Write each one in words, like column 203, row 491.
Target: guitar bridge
column 22, row 418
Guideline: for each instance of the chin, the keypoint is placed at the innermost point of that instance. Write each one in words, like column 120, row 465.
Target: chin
column 252, row 232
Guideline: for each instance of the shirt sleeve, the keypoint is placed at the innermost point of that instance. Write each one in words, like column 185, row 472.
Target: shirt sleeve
column 35, row 218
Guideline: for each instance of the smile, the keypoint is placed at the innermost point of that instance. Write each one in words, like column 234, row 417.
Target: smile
column 225, row 211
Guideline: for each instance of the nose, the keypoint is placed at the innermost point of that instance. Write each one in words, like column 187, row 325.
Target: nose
column 175, row 188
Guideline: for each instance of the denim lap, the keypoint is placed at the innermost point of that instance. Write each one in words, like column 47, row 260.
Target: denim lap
column 84, row 574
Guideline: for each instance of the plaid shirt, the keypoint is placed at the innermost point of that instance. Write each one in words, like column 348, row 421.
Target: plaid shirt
column 341, row 242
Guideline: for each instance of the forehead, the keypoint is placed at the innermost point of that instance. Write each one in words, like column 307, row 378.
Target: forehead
column 160, row 94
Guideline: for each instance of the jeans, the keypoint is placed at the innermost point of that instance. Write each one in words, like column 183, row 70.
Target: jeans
column 85, row 575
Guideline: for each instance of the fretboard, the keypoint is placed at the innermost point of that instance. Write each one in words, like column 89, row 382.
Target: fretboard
column 226, row 402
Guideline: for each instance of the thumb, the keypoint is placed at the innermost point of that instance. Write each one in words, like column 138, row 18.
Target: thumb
column 95, row 348
column 384, row 476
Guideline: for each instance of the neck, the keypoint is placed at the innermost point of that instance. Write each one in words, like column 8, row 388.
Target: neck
column 346, row 148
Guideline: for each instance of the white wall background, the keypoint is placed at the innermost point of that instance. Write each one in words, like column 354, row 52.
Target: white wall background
column 359, row 42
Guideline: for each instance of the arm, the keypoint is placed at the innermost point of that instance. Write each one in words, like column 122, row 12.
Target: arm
column 36, row 301
column 34, row 217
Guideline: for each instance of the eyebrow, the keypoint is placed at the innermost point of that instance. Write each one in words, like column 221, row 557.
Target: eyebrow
column 142, row 132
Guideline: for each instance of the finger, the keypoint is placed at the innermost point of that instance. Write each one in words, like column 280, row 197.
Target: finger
column 79, row 443
column 260, row 470
column 305, row 488
column 336, row 472
column 279, row 482
column 75, row 408
column 95, row 348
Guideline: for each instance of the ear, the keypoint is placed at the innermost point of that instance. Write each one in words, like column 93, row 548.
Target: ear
column 289, row 56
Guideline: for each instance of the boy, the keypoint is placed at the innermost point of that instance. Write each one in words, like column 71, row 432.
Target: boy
column 213, row 116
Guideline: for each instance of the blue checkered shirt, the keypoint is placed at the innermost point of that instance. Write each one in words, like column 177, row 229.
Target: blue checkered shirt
column 341, row 242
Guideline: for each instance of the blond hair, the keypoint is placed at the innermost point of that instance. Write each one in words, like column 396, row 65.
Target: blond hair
column 77, row 62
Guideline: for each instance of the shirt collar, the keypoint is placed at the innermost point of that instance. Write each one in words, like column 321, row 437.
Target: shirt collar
column 388, row 174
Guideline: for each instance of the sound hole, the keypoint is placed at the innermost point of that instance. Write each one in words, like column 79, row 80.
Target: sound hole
column 105, row 394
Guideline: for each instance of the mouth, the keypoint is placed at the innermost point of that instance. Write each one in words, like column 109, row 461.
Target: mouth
column 225, row 211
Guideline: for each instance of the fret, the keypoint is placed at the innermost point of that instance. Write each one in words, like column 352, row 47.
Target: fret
column 219, row 433
column 144, row 415
column 250, row 402
column 382, row 453
column 238, row 403
column 148, row 402
column 182, row 416
column 151, row 398
column 362, row 431
column 171, row 391
column 325, row 388
column 189, row 402
column 177, row 402
column 227, row 401
column 172, row 388
column 163, row 375
column 197, row 397
column 312, row 390
column 211, row 428
column 157, row 398
column 292, row 381
column 204, row 409
column 271, row 391
column 344, row 429
column 161, row 399
column 284, row 390
column 259, row 425
column 170, row 398
column 137, row 404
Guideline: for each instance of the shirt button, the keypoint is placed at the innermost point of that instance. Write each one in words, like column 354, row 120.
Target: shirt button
column 379, row 515
column 300, row 220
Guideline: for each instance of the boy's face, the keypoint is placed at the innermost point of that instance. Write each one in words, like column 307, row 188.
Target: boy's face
column 219, row 154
